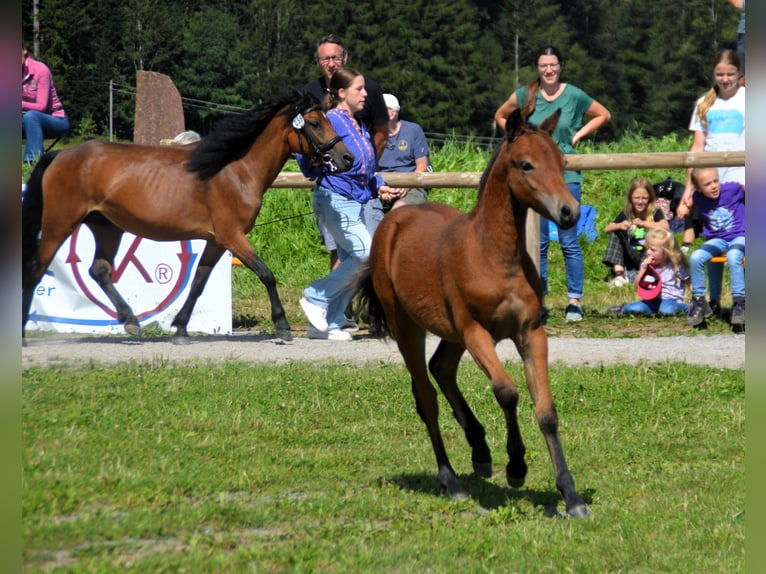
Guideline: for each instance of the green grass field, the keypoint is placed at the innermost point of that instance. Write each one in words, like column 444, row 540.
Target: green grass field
column 327, row 468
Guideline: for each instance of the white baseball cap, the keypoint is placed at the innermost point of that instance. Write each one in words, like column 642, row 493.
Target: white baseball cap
column 391, row 102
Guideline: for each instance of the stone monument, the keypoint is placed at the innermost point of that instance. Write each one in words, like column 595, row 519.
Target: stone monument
column 159, row 110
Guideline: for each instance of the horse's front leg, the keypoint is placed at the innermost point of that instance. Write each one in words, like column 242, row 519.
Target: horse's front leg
column 533, row 348
column 482, row 348
column 210, row 256
column 107, row 237
column 245, row 253
column 443, row 366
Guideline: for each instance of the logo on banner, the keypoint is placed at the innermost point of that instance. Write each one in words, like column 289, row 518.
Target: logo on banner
column 149, row 275
column 162, row 274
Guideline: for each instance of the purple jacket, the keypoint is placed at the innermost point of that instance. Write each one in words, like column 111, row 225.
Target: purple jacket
column 359, row 183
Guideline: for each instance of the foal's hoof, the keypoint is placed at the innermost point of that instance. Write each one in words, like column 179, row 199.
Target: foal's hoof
column 181, row 340
column 483, row 469
column 133, row 329
column 516, row 474
column 451, row 485
column 579, row 511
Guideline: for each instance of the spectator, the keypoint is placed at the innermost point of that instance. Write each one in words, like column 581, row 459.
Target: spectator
column 667, row 266
column 330, row 56
column 338, row 201
column 406, row 151
column 627, row 233
column 717, row 124
column 42, row 113
column 740, row 5
column 722, row 208
column 537, row 101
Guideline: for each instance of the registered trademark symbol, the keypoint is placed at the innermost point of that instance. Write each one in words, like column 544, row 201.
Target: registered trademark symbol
column 163, row 273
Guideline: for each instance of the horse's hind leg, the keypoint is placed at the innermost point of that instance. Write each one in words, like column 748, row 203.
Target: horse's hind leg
column 443, row 366
column 244, row 251
column 107, row 237
column 534, row 352
column 412, row 347
column 210, row 256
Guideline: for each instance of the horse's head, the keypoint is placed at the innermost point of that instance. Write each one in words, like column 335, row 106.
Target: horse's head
column 324, row 145
column 535, row 171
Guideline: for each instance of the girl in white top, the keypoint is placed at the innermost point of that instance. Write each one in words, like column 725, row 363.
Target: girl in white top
column 718, row 124
column 718, row 121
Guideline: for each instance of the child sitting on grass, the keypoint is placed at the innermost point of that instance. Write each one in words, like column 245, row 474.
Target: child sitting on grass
column 669, row 264
column 627, row 233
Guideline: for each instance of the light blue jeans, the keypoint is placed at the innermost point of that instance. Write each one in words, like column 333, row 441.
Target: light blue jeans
column 35, row 127
column 656, row 306
column 372, row 214
column 343, row 219
column 570, row 247
column 735, row 252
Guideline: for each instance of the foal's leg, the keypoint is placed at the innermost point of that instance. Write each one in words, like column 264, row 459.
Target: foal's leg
column 412, row 345
column 482, row 348
column 443, row 366
column 210, row 256
column 245, row 253
column 533, row 348
column 107, row 237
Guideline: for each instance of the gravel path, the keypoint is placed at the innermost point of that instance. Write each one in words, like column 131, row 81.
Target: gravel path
column 725, row 351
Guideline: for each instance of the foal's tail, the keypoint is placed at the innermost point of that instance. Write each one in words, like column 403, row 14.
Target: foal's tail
column 31, row 217
column 369, row 304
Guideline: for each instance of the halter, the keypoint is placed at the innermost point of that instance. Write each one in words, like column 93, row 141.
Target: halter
column 320, row 152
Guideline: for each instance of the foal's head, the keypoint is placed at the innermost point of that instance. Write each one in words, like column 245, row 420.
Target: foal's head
column 534, row 168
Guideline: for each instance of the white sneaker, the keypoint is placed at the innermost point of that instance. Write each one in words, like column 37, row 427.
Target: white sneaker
column 332, row 334
column 339, row 335
column 315, row 314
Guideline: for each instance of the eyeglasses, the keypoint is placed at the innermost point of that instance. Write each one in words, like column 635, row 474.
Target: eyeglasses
column 335, row 59
column 551, row 66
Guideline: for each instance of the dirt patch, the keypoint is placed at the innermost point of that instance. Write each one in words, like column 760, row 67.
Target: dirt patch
column 723, row 351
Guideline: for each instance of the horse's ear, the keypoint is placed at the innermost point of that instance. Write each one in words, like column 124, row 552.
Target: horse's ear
column 551, row 122
column 514, row 125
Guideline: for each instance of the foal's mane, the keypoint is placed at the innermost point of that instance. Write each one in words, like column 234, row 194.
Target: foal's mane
column 233, row 136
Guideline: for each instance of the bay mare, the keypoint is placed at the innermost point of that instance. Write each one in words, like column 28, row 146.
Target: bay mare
column 212, row 190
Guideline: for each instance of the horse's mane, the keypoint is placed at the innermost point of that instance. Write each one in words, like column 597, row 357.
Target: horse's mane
column 233, row 136
column 492, row 160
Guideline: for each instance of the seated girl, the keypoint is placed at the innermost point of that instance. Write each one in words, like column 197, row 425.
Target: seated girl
column 668, row 269
column 627, row 232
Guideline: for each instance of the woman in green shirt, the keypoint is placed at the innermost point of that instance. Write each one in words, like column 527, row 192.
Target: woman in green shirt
column 537, row 101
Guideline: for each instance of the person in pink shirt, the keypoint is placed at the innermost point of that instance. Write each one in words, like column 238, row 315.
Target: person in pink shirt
column 42, row 114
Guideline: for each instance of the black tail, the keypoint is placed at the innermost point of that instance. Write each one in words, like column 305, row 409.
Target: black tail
column 31, row 218
column 368, row 304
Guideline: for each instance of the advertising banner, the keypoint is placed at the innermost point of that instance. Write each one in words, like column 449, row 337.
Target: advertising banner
column 153, row 277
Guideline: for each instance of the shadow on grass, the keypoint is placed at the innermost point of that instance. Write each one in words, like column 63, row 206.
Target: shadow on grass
column 487, row 494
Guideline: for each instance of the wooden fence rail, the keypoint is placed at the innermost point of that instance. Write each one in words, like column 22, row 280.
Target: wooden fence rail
column 615, row 161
